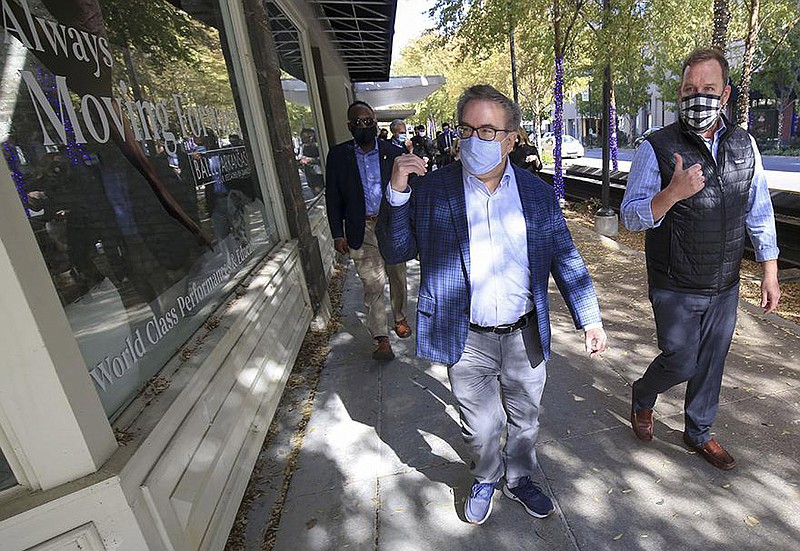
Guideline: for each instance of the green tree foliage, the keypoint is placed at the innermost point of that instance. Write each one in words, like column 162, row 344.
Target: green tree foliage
column 479, row 30
column 780, row 78
column 170, row 51
column 431, row 55
column 645, row 41
column 673, row 30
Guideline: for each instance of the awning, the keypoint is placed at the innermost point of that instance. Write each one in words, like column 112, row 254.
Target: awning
column 398, row 90
column 380, row 95
column 362, row 32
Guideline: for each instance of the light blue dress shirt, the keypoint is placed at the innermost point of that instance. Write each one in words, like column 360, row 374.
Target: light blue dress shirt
column 644, row 182
column 369, row 167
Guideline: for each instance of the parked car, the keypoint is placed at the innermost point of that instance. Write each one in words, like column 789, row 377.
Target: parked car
column 638, row 141
column 570, row 147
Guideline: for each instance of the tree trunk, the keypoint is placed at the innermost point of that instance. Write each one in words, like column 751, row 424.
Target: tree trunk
column 743, row 107
column 722, row 16
column 558, row 102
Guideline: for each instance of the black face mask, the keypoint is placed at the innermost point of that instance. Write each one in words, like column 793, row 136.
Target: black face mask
column 364, row 136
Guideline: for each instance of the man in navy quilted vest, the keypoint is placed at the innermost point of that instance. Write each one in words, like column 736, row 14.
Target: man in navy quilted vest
column 489, row 235
column 697, row 186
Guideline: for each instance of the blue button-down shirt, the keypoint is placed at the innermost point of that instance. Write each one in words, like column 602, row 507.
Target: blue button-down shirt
column 644, row 182
column 369, row 167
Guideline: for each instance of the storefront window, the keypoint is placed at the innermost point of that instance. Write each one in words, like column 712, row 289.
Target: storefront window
column 298, row 104
column 120, row 128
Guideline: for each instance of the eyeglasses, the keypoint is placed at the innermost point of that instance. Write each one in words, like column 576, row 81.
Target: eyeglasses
column 363, row 123
column 485, row 133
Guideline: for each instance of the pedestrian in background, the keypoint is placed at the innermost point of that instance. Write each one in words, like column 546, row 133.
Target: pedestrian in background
column 400, row 138
column 525, row 155
column 422, row 146
column 697, row 187
column 445, row 142
column 357, row 171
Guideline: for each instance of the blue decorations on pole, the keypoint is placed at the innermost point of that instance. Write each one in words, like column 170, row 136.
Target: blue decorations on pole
column 558, row 128
column 612, row 135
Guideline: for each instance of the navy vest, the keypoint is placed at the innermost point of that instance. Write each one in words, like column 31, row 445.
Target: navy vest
column 699, row 245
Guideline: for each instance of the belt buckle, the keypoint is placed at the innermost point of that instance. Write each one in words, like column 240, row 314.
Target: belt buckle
column 503, row 329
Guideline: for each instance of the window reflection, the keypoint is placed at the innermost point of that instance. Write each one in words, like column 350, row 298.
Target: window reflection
column 7, row 478
column 298, row 104
column 134, row 174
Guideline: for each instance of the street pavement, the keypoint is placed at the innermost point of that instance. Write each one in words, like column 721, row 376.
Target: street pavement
column 382, row 464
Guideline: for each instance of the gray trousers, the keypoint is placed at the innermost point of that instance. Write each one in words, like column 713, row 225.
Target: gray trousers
column 694, row 335
column 498, row 384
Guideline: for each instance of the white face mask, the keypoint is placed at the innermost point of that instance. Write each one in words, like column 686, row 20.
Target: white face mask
column 479, row 156
column 402, row 137
column 700, row 111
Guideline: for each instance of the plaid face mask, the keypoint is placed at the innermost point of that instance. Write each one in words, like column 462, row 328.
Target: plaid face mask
column 700, row 111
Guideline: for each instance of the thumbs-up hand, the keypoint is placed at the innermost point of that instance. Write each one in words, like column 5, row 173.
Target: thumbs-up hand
column 685, row 182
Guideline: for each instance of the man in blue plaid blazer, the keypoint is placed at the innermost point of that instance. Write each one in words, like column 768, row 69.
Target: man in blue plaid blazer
column 488, row 236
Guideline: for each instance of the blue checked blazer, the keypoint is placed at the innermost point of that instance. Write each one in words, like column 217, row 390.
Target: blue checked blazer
column 433, row 225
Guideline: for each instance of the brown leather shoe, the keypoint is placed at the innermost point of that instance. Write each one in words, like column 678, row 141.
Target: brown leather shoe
column 383, row 351
column 402, row 328
column 641, row 421
column 712, row 452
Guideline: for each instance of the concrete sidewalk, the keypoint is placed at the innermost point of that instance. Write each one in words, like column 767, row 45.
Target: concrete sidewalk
column 382, row 462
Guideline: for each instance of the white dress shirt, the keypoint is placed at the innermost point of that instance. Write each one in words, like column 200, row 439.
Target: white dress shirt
column 500, row 276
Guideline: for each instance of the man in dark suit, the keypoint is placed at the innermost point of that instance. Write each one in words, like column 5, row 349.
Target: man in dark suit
column 489, row 235
column 422, row 146
column 444, row 143
column 357, row 172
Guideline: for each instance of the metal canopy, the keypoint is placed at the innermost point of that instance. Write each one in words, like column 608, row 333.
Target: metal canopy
column 362, row 32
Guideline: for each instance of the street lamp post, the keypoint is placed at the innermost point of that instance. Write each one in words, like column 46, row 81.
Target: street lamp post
column 606, row 221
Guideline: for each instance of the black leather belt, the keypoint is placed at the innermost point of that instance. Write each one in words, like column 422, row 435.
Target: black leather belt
column 505, row 328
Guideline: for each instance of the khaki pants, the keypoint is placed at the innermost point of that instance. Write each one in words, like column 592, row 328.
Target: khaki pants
column 373, row 271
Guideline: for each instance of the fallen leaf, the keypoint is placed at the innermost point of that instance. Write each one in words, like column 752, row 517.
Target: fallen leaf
column 751, row 520
column 660, row 502
column 578, row 398
column 610, row 490
column 726, row 486
column 698, row 514
column 644, row 535
column 627, row 491
column 617, row 537
column 658, row 481
column 311, row 523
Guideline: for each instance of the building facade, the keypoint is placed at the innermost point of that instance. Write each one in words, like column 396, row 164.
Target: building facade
column 163, row 249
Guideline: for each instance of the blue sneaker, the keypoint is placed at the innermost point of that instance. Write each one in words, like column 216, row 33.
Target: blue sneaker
column 478, row 506
column 530, row 495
